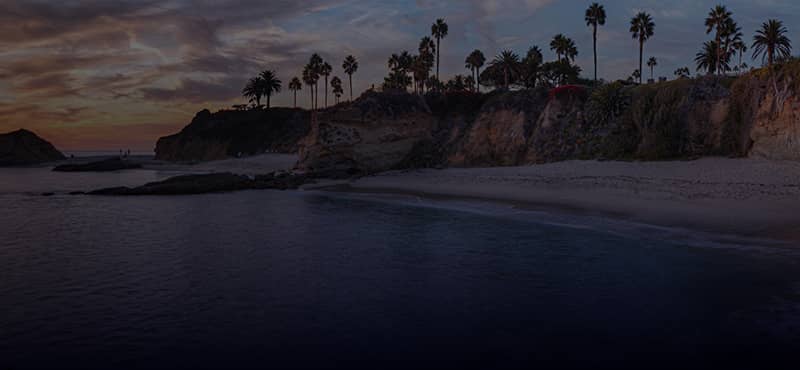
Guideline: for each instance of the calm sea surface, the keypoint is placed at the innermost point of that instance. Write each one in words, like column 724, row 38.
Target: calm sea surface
column 267, row 279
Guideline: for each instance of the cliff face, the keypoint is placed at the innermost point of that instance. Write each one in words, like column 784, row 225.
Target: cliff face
column 23, row 147
column 377, row 132
column 382, row 131
column 752, row 115
column 770, row 104
column 226, row 134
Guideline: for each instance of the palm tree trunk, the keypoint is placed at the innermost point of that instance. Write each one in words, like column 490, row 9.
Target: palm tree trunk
column 295, row 98
column 505, row 75
column 351, row 86
column 311, row 92
column 652, row 69
column 641, row 56
column 438, row 48
column 268, row 100
column 771, row 52
column 594, row 39
column 719, row 52
column 478, row 78
column 326, row 92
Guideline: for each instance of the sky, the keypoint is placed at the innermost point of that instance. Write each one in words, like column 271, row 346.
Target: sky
column 116, row 74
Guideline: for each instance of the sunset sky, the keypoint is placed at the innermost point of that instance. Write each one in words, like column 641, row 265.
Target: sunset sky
column 112, row 74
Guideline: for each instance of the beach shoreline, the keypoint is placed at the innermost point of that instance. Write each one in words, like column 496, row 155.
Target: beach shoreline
column 743, row 197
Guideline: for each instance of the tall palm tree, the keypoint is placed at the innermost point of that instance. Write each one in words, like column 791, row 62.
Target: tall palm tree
column 310, row 78
column 254, row 90
column 740, row 47
column 425, row 61
column 508, row 62
column 474, row 62
column 652, row 63
column 642, row 29
column 564, row 47
column 316, row 63
column 295, row 85
column 717, row 19
column 326, row 70
column 439, row 31
column 595, row 16
column 771, row 41
column 336, row 84
column 350, row 66
column 271, row 85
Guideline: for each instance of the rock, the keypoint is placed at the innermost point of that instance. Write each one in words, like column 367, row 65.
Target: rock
column 22, row 147
column 210, row 183
column 377, row 132
column 107, row 165
column 229, row 133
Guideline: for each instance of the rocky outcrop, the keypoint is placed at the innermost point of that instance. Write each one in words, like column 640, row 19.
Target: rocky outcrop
column 377, row 132
column 107, row 165
column 23, row 147
column 770, row 104
column 210, row 183
column 671, row 120
column 228, row 133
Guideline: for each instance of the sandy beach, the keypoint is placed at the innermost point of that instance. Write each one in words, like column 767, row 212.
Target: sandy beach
column 747, row 197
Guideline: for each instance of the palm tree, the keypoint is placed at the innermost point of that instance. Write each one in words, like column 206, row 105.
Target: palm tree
column 254, row 90
column 336, row 84
column 642, row 28
column 508, row 62
column 474, row 62
column 771, row 41
column 271, row 84
column 326, row 70
column 595, row 16
column 470, row 81
column 316, row 62
column 295, row 85
column 564, row 46
column 740, row 48
column 652, row 63
column 350, row 66
column 310, row 78
column 425, row 61
column 717, row 19
column 706, row 58
column 439, row 31
column 683, row 72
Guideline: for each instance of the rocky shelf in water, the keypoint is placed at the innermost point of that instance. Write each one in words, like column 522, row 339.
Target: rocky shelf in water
column 211, row 183
column 106, row 165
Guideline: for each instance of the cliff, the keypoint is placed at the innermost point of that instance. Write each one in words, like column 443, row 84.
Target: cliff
column 752, row 115
column 228, row 133
column 383, row 131
column 23, row 147
column 379, row 131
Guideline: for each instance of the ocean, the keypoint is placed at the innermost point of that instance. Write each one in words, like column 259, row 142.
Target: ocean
column 270, row 279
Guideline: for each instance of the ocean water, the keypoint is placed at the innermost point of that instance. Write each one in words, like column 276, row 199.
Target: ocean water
column 268, row 279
